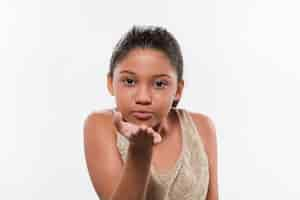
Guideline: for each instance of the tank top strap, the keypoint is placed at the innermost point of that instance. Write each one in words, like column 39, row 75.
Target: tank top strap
column 196, row 145
column 185, row 131
column 191, row 179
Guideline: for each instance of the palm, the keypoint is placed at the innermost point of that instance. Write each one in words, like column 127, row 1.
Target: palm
column 135, row 133
column 128, row 128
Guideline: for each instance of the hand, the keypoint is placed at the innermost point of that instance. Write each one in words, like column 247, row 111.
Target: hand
column 140, row 136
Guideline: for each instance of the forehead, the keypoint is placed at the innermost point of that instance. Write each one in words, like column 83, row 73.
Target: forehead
column 146, row 62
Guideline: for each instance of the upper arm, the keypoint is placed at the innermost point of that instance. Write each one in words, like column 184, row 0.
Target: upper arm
column 103, row 161
column 207, row 130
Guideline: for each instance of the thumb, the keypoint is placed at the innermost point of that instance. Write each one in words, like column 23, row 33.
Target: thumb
column 117, row 117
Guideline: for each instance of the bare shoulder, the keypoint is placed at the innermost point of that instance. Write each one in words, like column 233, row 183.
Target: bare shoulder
column 100, row 114
column 99, row 131
column 99, row 120
column 102, row 158
column 204, row 123
column 207, row 132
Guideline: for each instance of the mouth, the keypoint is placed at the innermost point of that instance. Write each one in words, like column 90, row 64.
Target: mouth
column 142, row 116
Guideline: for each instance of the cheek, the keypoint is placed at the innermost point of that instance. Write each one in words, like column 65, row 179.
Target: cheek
column 164, row 104
column 123, row 92
column 123, row 99
column 165, row 98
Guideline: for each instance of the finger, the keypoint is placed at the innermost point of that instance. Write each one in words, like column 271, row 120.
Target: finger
column 131, row 128
column 143, row 128
column 141, row 131
column 149, row 131
column 117, row 116
column 156, row 137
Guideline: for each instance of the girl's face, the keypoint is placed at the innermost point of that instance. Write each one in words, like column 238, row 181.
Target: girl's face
column 145, row 81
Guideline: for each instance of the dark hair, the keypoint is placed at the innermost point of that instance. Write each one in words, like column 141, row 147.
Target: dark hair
column 152, row 37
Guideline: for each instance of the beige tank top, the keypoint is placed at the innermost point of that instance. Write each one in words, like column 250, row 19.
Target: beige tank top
column 189, row 178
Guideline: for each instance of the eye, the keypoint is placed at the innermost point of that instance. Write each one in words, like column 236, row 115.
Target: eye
column 128, row 81
column 161, row 84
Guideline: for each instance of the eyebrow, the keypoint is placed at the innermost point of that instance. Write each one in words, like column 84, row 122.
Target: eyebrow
column 157, row 75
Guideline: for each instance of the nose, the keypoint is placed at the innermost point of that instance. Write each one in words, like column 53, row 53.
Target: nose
column 143, row 96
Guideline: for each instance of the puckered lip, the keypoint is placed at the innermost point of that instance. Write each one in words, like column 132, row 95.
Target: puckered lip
column 141, row 111
column 142, row 114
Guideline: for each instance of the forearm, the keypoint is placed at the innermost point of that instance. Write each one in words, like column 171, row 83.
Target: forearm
column 135, row 177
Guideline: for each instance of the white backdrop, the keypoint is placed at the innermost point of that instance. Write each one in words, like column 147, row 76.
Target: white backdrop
column 241, row 69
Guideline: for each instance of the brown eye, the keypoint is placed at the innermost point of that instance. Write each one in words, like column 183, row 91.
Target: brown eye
column 160, row 84
column 128, row 81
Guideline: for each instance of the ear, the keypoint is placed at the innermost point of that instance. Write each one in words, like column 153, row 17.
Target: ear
column 179, row 90
column 109, row 84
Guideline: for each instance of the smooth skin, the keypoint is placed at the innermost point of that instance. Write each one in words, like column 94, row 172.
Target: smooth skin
column 144, row 80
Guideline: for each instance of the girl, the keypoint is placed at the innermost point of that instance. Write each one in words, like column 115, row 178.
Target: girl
column 146, row 148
